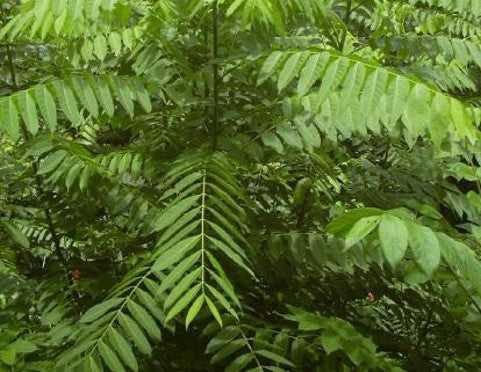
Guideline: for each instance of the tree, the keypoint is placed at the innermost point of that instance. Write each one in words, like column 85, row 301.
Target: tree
column 243, row 185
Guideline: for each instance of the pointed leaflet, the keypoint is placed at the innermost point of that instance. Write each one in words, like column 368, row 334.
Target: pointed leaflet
column 274, row 357
column 178, row 272
column 28, row 111
column 394, row 238
column 194, row 310
column 97, row 311
column 133, row 330
column 269, row 139
column 123, row 348
column 352, row 83
column 332, row 77
column 185, row 300
column 86, row 94
column 173, row 212
column 110, row 358
column 175, row 253
column 361, row 229
column 181, row 287
column 52, row 161
column 462, row 122
column 213, row 310
column 145, row 319
column 115, row 42
column 47, row 106
column 122, row 90
column 424, row 246
column 397, row 94
column 417, row 111
column 311, row 72
column 231, row 254
column 67, row 102
column 15, row 233
column 289, row 70
column 104, row 95
column 373, row 89
column 6, row 124
column 100, row 47
column 12, row 121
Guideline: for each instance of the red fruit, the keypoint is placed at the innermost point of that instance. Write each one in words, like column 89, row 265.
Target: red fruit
column 77, row 274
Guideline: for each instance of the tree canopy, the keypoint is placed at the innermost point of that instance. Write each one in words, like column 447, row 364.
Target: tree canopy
column 242, row 185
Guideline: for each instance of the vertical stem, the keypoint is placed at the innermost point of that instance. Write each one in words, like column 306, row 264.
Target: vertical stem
column 215, row 71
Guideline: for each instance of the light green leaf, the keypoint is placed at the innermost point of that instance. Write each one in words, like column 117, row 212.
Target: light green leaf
column 145, row 319
column 425, row 247
column 52, row 161
column 110, row 358
column 274, row 357
column 178, row 271
column 394, row 238
column 181, row 287
column 47, row 106
column 269, row 66
column 28, row 111
column 98, row 310
column 183, row 302
column 175, row 253
column 133, row 330
column 361, row 229
column 289, row 70
column 123, row 349
column 194, row 310
column 100, row 47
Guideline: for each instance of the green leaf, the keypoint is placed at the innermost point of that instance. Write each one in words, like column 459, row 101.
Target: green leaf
column 342, row 224
column 110, row 359
column 175, row 253
column 183, row 302
column 98, row 310
column 361, row 229
column 311, row 72
column 67, row 102
column 194, row 310
column 274, row 357
column 104, row 95
column 115, row 42
column 233, row 7
column 181, row 287
column 397, row 94
column 394, row 238
column 331, row 342
column 47, row 106
column 16, row 233
column 213, row 310
column 271, row 140
column 100, row 47
column 123, row 349
column 8, row 356
column 236, row 258
column 239, row 363
column 28, row 111
column 178, row 271
column 145, row 319
column 133, row 330
column 269, row 66
column 289, row 70
column 52, row 161
column 425, row 247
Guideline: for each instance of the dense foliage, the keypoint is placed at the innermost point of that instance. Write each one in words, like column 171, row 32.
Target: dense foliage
column 262, row 185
